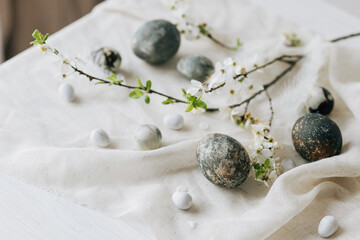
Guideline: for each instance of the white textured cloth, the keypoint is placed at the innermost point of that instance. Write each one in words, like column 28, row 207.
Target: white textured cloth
column 45, row 140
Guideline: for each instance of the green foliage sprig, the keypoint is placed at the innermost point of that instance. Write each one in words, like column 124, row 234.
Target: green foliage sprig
column 141, row 91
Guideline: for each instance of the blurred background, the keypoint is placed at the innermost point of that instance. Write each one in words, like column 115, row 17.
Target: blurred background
column 19, row 18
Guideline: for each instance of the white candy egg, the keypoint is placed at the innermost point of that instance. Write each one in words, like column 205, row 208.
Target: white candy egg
column 287, row 164
column 174, row 121
column 147, row 137
column 67, row 92
column 100, row 138
column 182, row 200
column 327, row 226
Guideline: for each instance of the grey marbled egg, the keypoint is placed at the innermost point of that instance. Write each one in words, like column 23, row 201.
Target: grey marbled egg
column 107, row 58
column 195, row 67
column 100, row 137
column 147, row 137
column 156, row 41
column 316, row 136
column 320, row 101
column 223, row 160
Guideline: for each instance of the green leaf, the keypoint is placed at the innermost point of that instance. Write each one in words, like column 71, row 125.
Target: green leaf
column 168, row 101
column 112, row 77
column 39, row 38
column 36, row 34
column 133, row 95
column 148, row 85
column 257, row 166
column 203, row 30
column 46, row 37
column 36, row 42
column 190, row 107
column 267, row 162
column 140, row 83
column 200, row 104
column 241, row 79
column 184, row 92
column 147, row 99
column 138, row 92
column 99, row 83
column 241, row 124
column 238, row 42
column 258, row 174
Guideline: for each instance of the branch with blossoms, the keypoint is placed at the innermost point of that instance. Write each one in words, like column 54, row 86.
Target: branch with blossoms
column 138, row 91
column 193, row 97
column 191, row 31
column 264, row 162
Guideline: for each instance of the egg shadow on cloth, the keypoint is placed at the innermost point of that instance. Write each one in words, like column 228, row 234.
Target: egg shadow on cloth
column 194, row 209
column 337, row 234
column 76, row 100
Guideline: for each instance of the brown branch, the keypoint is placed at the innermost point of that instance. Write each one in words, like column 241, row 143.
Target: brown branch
column 266, row 86
column 90, row 77
column 292, row 60
column 345, row 37
column 221, row 44
column 271, row 107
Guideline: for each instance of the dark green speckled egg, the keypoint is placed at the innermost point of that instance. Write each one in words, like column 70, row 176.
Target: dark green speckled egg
column 316, row 137
column 223, row 160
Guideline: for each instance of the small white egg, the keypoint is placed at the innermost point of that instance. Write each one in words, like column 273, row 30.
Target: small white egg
column 182, row 200
column 67, row 92
column 147, row 137
column 192, row 224
column 327, row 226
column 174, row 121
column 287, row 164
column 100, row 138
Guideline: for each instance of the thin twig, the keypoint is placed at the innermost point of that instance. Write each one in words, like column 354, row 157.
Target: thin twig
column 220, row 43
column 345, row 37
column 266, row 86
column 282, row 58
column 271, row 107
column 246, row 108
column 90, row 77
column 215, row 88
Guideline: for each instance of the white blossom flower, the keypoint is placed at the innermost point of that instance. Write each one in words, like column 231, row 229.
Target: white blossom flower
column 197, row 110
column 196, row 90
column 265, row 165
column 45, row 48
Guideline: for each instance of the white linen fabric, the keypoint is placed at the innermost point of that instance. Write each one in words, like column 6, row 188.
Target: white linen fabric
column 45, row 140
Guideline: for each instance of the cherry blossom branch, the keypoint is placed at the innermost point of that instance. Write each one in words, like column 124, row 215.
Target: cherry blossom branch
column 275, row 80
column 195, row 102
column 103, row 81
column 282, row 58
column 40, row 40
